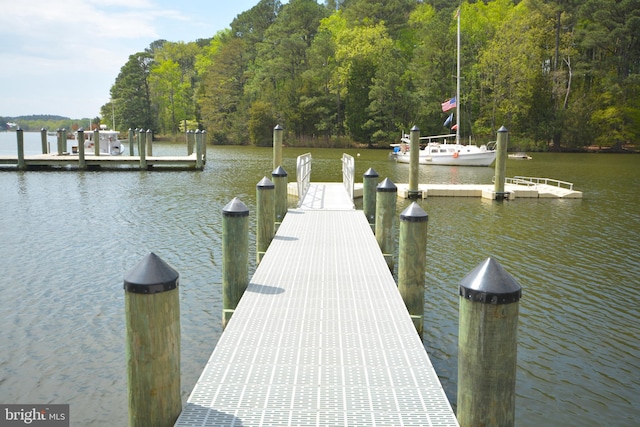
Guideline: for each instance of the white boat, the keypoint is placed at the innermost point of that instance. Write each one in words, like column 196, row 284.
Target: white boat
column 446, row 154
column 437, row 150
column 109, row 143
column 519, row 156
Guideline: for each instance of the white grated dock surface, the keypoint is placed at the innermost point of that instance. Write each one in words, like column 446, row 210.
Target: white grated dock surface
column 320, row 338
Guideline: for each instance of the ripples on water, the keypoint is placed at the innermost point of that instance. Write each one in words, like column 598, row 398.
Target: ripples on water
column 68, row 239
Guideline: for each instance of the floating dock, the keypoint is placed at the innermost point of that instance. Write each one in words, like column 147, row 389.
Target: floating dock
column 122, row 162
column 321, row 336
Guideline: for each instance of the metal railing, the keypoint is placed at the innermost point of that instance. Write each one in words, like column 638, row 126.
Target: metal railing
column 348, row 173
column 303, row 175
column 532, row 182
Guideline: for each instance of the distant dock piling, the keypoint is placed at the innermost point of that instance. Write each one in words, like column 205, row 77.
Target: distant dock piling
column 131, row 139
column 265, row 216
column 501, row 164
column 487, row 348
column 20, row 137
column 277, row 146
column 386, row 199
column 82, row 164
column 369, row 184
column 43, row 141
column 412, row 253
column 280, row 181
column 152, row 311
column 197, row 136
column 414, row 165
column 235, row 256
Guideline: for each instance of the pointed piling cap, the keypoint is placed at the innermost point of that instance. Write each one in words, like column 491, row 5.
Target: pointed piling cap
column 265, row 184
column 503, row 129
column 151, row 276
column 279, row 172
column 371, row 173
column 415, row 129
column 387, row 186
column 235, row 208
column 414, row 213
column 278, row 127
column 490, row 283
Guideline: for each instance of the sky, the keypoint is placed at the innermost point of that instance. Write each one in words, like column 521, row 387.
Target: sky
column 61, row 57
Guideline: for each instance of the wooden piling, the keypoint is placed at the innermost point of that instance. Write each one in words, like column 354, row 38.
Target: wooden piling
column 152, row 311
column 96, row 142
column 369, row 184
column 198, row 142
column 501, row 163
column 487, row 346
column 235, row 256
column 203, row 141
column 82, row 164
column 277, row 146
column 265, row 216
column 20, row 140
column 43, row 141
column 131, row 142
column 280, row 180
column 149, row 143
column 414, row 163
column 412, row 254
column 142, row 149
column 386, row 196
column 190, row 139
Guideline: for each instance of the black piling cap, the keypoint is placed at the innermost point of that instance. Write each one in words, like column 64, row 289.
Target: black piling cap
column 490, row 283
column 265, row 184
column 235, row 208
column 151, row 276
column 279, row 172
column 387, row 186
column 371, row 173
column 414, row 213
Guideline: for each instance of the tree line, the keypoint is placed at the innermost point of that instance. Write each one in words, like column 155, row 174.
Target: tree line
column 559, row 74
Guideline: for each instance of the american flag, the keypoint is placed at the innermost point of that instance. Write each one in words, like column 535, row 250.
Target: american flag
column 448, row 105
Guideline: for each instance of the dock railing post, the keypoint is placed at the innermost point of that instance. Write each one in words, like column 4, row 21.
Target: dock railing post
column 235, row 256
column 152, row 311
column 96, row 142
column 265, row 216
column 414, row 160
column 501, row 163
column 386, row 196
column 43, row 141
column 197, row 136
column 142, row 136
column 131, row 142
column 412, row 254
column 82, row 163
column 281, row 181
column 487, row 346
column 277, row 146
column 20, row 140
column 369, row 184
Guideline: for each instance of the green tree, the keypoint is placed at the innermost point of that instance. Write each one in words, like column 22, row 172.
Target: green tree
column 131, row 93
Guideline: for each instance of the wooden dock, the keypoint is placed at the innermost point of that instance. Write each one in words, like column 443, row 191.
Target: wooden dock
column 321, row 336
column 122, row 162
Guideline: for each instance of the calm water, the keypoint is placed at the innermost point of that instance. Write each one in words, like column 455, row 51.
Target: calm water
column 68, row 239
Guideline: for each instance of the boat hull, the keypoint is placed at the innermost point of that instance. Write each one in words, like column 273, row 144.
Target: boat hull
column 483, row 158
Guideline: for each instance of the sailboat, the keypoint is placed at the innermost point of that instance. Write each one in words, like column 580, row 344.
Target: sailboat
column 438, row 150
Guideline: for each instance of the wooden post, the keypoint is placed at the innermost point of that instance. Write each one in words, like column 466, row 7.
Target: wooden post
column 265, row 217
column 501, row 163
column 235, row 256
column 59, row 140
column 20, row 137
column 82, row 164
column 190, row 138
column 487, row 346
column 131, row 142
column 369, row 183
column 143, row 149
column 204, row 147
column 280, row 180
column 149, row 143
column 386, row 195
column 198, row 141
column 414, row 163
column 43, row 141
column 412, row 255
column 152, row 311
column 96, row 142
column 277, row 146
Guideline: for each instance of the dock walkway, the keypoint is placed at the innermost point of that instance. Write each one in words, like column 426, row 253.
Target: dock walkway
column 321, row 336
column 122, row 162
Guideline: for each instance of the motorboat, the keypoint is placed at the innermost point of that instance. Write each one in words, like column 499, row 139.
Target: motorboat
column 108, row 142
column 519, row 156
column 446, row 154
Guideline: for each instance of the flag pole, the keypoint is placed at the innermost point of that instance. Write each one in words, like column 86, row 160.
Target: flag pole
column 458, row 83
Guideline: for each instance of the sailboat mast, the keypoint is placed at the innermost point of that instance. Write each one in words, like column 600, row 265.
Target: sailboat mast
column 458, row 100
